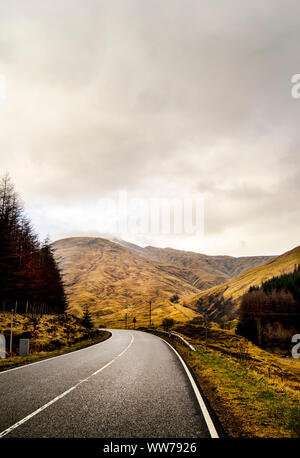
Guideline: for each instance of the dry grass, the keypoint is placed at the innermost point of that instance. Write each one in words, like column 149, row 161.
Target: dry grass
column 15, row 361
column 234, row 375
column 49, row 335
column 240, row 349
column 236, row 287
column 113, row 281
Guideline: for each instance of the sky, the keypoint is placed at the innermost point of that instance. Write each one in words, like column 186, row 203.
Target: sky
column 155, row 98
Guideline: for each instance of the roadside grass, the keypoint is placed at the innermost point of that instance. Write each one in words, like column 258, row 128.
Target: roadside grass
column 46, row 332
column 50, row 335
column 15, row 361
column 253, row 393
column 227, row 343
column 248, row 404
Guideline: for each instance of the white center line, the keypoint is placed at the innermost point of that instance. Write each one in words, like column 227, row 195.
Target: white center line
column 19, row 423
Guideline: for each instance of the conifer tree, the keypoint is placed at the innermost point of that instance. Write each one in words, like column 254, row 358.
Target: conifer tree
column 28, row 271
column 87, row 321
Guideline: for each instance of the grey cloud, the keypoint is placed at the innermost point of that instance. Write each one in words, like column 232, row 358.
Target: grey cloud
column 155, row 94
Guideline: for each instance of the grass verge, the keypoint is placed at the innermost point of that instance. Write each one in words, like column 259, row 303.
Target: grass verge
column 16, row 361
column 247, row 402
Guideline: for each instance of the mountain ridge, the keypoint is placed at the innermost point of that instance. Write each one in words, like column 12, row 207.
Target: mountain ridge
column 222, row 301
column 114, row 280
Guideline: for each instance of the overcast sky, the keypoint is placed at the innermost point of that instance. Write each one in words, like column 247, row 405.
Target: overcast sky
column 155, row 97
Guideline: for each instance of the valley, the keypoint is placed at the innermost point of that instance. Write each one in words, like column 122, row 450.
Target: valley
column 115, row 278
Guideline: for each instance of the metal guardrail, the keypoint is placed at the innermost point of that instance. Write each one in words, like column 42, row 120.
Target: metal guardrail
column 172, row 335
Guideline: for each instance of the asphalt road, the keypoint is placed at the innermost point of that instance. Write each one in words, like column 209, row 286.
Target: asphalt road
column 131, row 385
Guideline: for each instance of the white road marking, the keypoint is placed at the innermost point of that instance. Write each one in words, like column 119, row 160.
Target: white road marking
column 51, row 357
column 24, row 420
column 207, row 417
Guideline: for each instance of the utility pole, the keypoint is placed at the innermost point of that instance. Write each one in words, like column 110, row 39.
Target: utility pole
column 125, row 320
column 205, row 324
column 259, row 331
column 11, row 330
column 150, row 303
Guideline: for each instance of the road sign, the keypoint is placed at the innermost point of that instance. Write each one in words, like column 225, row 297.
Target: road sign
column 24, row 347
column 2, row 346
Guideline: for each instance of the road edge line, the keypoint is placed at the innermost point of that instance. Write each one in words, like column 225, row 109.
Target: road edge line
column 210, row 425
column 53, row 357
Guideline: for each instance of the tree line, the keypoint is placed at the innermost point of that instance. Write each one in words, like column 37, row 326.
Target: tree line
column 30, row 280
column 272, row 310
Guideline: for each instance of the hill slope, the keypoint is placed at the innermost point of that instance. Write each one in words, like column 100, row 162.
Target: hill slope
column 200, row 270
column 223, row 300
column 115, row 278
column 113, row 281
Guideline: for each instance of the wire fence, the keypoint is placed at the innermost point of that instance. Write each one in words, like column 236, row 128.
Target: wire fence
column 26, row 308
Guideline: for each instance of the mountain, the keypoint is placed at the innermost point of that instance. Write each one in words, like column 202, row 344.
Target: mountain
column 115, row 277
column 223, row 300
column 113, row 281
column 200, row 270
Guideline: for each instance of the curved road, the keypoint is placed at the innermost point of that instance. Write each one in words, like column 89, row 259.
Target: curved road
column 131, row 385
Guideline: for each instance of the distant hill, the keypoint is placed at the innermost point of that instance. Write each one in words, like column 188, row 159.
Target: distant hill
column 115, row 277
column 201, row 270
column 224, row 300
column 113, row 281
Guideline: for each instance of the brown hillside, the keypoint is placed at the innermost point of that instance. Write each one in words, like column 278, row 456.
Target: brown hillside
column 113, row 281
column 224, row 300
column 200, row 270
column 116, row 277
